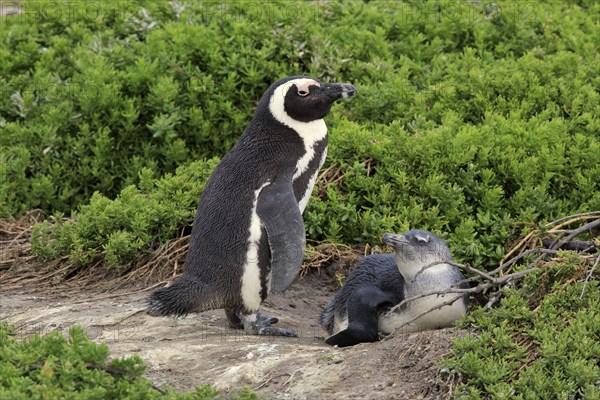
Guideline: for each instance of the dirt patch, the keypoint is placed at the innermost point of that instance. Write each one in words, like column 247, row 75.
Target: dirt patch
column 203, row 349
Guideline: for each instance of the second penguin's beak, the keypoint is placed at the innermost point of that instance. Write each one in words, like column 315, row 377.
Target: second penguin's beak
column 336, row 91
column 394, row 239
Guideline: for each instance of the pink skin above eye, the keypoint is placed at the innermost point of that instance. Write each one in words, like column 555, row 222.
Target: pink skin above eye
column 304, row 87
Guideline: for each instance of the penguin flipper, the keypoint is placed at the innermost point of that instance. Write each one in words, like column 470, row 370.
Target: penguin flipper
column 279, row 213
column 363, row 308
column 349, row 337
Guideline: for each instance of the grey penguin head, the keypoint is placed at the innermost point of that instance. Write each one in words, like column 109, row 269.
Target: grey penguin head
column 302, row 98
column 417, row 248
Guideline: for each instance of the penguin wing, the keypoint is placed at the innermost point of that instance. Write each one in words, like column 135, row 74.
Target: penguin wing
column 279, row 213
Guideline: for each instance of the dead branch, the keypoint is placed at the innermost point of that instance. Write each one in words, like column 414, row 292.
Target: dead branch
column 552, row 231
column 456, row 265
column 589, row 275
column 573, row 245
column 570, row 217
column 477, row 289
column 518, row 246
column 520, row 256
column 432, row 309
column 558, row 228
column 575, row 232
column 494, row 298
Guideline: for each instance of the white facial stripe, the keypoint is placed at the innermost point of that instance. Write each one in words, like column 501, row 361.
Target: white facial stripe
column 310, row 132
column 304, row 201
column 251, row 277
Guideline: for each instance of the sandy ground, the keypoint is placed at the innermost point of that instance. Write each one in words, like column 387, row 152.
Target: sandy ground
column 202, row 349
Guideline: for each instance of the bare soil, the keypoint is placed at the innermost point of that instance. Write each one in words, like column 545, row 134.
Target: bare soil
column 38, row 298
column 202, row 349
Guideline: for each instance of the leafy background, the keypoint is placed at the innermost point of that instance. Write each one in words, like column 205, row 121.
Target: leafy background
column 474, row 120
column 471, row 117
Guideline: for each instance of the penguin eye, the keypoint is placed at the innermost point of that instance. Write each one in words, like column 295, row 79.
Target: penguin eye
column 303, row 93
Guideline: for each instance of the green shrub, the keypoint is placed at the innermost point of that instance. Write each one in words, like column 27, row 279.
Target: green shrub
column 542, row 342
column 94, row 93
column 472, row 182
column 53, row 367
column 119, row 230
column 469, row 118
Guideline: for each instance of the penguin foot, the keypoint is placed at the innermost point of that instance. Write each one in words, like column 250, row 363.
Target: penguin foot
column 256, row 324
column 267, row 320
column 235, row 317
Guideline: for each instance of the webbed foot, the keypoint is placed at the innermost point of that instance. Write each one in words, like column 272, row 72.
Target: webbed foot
column 257, row 324
column 234, row 317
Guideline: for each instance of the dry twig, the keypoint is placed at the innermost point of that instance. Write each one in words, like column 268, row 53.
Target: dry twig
column 589, row 275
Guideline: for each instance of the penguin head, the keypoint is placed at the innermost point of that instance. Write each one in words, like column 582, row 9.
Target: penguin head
column 301, row 99
column 416, row 249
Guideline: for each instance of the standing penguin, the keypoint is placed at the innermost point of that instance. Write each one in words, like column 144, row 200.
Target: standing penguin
column 248, row 235
column 360, row 311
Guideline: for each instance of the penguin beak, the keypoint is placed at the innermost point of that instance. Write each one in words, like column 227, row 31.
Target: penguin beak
column 394, row 239
column 336, row 91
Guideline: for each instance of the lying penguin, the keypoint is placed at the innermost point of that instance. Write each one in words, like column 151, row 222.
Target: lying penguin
column 248, row 234
column 361, row 310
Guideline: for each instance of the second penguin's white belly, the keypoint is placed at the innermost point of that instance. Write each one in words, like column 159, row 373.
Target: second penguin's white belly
column 439, row 318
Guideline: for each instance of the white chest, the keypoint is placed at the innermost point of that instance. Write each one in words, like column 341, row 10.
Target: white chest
column 311, row 183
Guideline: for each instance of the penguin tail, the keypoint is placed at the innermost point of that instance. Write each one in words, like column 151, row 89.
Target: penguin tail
column 184, row 296
column 327, row 317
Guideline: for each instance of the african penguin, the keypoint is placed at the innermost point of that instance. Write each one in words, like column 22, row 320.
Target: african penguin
column 248, row 234
column 359, row 312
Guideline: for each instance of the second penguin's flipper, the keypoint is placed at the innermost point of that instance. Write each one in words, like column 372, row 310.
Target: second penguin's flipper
column 279, row 213
column 350, row 337
column 363, row 307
